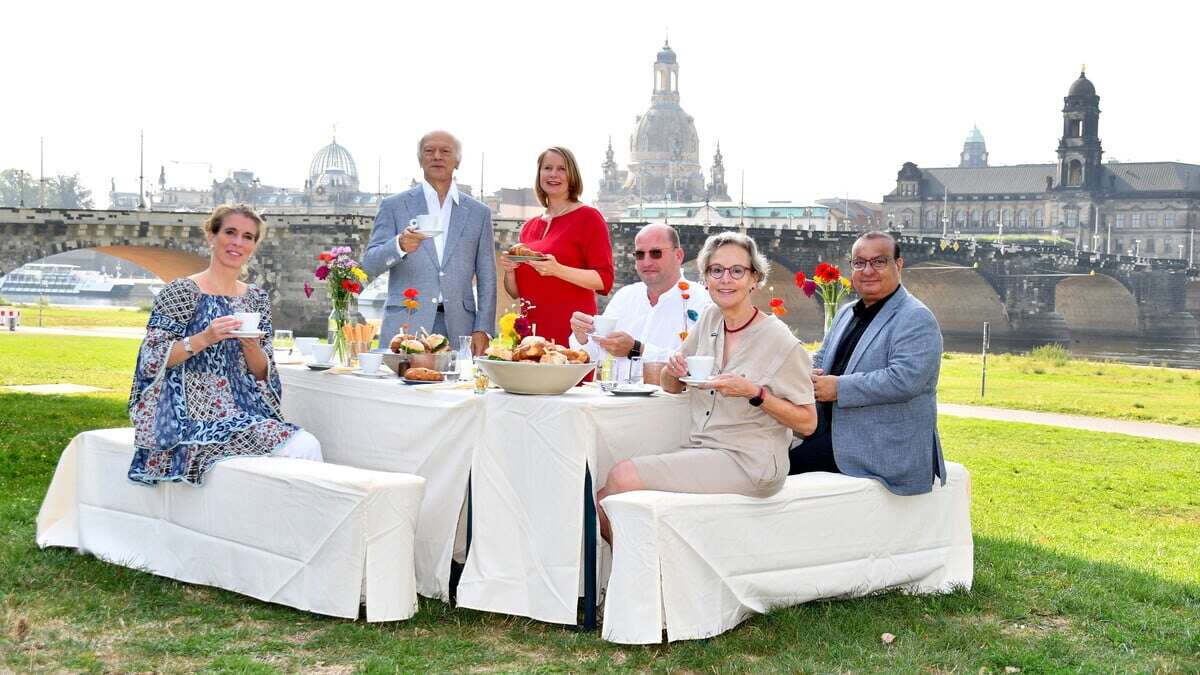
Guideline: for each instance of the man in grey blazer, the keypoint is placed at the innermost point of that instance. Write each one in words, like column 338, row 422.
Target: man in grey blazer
column 875, row 380
column 453, row 270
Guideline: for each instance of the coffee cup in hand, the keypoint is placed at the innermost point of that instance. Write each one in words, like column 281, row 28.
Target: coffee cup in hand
column 700, row 367
column 603, row 325
column 249, row 321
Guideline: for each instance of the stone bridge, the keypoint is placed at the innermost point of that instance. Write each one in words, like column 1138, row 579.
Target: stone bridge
column 1025, row 292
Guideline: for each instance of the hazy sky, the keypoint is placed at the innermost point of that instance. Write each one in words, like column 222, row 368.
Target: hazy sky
column 808, row 100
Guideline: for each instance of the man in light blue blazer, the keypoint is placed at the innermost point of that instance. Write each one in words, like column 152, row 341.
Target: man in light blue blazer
column 875, row 380
column 452, row 265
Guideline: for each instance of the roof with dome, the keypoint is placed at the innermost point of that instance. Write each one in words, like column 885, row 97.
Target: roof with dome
column 1082, row 86
column 332, row 157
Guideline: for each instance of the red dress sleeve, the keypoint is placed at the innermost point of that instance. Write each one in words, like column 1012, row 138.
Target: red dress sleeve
column 598, row 250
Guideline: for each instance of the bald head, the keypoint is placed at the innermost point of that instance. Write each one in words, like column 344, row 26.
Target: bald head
column 662, row 272
column 439, row 154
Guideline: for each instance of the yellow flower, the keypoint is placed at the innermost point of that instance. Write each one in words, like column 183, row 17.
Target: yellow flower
column 359, row 273
column 508, row 324
column 845, row 283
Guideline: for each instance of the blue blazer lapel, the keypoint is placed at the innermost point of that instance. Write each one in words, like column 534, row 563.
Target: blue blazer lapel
column 458, row 223
column 885, row 315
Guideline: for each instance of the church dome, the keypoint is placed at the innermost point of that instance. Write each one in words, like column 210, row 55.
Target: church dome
column 975, row 135
column 332, row 157
column 1082, row 87
column 662, row 132
column 666, row 54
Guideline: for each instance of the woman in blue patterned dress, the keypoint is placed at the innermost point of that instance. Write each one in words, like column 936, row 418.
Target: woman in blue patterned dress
column 201, row 394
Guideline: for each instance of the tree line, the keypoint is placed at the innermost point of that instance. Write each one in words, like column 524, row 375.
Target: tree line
column 60, row 192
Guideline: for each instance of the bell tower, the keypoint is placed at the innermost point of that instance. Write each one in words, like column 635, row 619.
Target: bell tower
column 666, row 76
column 1079, row 150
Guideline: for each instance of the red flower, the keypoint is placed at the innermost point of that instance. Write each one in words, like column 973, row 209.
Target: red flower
column 685, row 296
column 410, row 293
column 522, row 327
column 322, row 272
column 800, row 279
column 776, row 302
column 324, row 257
column 809, row 287
column 308, row 290
column 347, row 284
column 356, row 288
column 826, row 273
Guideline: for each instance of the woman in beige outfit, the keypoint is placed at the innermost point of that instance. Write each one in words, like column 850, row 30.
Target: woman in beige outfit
column 743, row 418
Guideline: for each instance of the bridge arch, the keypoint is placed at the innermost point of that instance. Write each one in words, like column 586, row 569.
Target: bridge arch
column 958, row 296
column 1096, row 305
column 166, row 264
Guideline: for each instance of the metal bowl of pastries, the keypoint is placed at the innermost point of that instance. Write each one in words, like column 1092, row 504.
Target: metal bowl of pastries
column 418, row 351
column 536, row 366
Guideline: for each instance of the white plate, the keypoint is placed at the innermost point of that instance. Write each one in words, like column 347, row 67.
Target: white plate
column 246, row 333
column 695, row 381
column 320, row 366
column 634, row 390
column 373, row 376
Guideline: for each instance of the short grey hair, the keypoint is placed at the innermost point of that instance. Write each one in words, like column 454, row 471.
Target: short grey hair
column 457, row 143
column 758, row 261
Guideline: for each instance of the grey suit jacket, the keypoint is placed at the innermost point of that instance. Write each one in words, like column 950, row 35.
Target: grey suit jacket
column 884, row 422
column 468, row 265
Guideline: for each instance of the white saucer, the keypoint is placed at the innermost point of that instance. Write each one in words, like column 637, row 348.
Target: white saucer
column 373, row 376
column 634, row 390
column 695, row 381
column 246, row 333
column 319, row 366
column 429, row 233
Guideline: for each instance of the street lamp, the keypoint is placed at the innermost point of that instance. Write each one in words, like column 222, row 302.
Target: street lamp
column 1137, row 248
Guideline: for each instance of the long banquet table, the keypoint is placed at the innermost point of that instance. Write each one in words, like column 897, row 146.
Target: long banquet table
column 525, row 457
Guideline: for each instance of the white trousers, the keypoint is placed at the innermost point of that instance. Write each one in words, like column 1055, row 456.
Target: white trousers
column 302, row 445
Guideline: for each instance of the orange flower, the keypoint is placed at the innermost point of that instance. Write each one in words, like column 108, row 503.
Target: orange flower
column 685, row 296
column 683, row 286
column 325, row 257
column 779, row 311
column 411, row 304
column 683, row 335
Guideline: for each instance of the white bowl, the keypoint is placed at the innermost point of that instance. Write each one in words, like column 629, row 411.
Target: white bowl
column 517, row 377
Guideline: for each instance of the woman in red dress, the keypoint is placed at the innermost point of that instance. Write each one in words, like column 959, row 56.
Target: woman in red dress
column 573, row 237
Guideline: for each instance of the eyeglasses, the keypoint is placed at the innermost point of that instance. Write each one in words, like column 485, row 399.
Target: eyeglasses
column 876, row 263
column 718, row 271
column 654, row 253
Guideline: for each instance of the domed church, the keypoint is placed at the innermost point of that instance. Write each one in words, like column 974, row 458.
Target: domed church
column 664, row 152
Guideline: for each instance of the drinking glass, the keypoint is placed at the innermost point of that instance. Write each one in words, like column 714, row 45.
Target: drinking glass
column 606, row 374
column 635, row 370
column 284, row 340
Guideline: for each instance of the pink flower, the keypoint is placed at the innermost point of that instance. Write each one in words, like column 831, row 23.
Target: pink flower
column 308, row 289
column 322, row 272
column 810, row 287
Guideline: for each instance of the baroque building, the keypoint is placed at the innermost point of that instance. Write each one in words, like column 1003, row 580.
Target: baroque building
column 1142, row 209
column 664, row 153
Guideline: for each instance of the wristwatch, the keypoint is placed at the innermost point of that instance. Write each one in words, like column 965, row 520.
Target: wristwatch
column 187, row 345
column 636, row 350
column 757, row 400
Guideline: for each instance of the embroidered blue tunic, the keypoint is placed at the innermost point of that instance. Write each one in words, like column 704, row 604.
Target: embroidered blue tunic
column 209, row 407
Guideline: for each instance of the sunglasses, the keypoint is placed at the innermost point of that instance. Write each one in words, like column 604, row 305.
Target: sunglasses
column 654, row 253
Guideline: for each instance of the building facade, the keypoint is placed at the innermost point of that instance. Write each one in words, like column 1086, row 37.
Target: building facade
column 664, row 153
column 1142, row 209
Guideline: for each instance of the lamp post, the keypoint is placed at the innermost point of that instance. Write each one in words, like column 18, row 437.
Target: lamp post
column 1137, row 248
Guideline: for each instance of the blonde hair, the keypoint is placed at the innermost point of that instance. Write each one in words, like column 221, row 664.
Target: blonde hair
column 213, row 223
column 758, row 262
column 574, row 178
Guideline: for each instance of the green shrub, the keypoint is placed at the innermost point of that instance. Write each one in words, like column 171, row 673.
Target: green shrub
column 1053, row 353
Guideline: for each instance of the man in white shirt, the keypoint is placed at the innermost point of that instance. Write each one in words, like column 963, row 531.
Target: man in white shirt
column 650, row 315
column 450, row 265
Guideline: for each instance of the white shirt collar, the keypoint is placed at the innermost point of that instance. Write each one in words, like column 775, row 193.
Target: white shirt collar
column 431, row 194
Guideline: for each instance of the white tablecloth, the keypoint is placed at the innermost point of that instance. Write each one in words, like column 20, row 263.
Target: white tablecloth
column 290, row 531
column 527, row 486
column 386, row 425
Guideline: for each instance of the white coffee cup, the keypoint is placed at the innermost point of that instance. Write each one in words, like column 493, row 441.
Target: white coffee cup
column 424, row 222
column 603, row 325
column 305, row 345
column 369, row 362
column 700, row 367
column 322, row 353
column 249, row 320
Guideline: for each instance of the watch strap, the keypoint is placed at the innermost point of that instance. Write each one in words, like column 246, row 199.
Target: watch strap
column 187, row 345
column 757, row 399
column 636, row 350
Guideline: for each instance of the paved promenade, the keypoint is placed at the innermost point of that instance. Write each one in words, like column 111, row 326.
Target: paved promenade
column 1166, row 432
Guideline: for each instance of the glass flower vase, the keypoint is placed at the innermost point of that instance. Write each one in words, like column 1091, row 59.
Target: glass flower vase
column 830, row 312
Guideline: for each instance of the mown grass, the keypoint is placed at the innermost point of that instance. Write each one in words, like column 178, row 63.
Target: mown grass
column 1049, row 382
column 1086, row 548
column 82, row 317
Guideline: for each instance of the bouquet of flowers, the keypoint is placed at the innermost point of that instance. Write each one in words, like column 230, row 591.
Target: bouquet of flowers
column 513, row 327
column 343, row 279
column 828, row 282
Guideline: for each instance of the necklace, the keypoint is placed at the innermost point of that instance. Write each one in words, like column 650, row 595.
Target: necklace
column 743, row 326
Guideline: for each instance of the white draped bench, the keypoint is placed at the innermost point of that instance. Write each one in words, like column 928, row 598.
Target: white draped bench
column 698, row 565
column 317, row 537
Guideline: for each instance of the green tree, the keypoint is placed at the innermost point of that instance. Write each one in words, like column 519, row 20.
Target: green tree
column 62, row 191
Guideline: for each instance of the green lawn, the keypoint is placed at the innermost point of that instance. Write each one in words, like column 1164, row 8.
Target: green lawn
column 82, row 317
column 1086, row 561
column 1099, row 389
